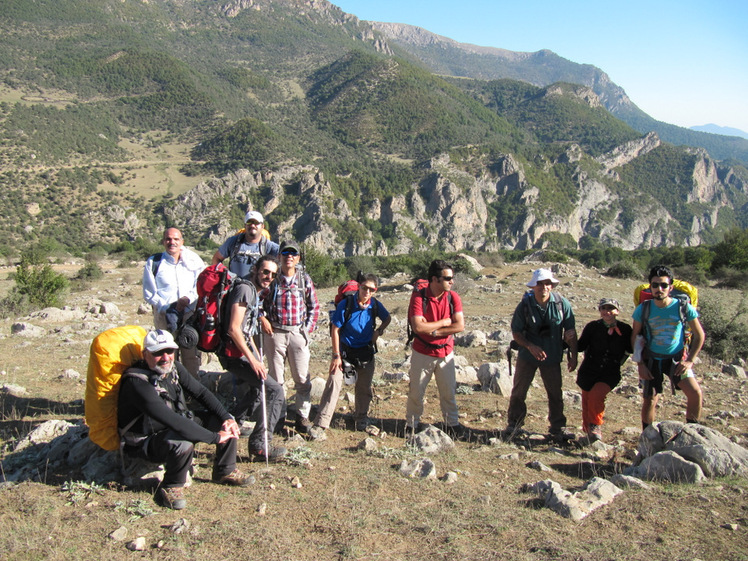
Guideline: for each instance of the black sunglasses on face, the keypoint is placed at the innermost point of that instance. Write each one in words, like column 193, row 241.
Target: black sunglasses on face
column 290, row 252
column 446, row 278
column 268, row 273
column 163, row 352
column 662, row 285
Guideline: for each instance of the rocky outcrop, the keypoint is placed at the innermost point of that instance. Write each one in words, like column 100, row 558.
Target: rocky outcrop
column 456, row 209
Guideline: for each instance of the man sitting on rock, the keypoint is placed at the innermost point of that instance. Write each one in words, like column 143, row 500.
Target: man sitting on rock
column 156, row 425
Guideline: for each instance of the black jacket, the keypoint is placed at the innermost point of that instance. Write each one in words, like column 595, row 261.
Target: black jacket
column 159, row 403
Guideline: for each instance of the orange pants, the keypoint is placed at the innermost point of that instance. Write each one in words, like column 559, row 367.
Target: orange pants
column 593, row 405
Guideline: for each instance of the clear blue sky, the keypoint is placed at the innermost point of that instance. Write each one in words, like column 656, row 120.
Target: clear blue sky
column 683, row 62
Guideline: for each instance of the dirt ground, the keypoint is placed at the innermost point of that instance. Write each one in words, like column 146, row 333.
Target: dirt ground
column 337, row 502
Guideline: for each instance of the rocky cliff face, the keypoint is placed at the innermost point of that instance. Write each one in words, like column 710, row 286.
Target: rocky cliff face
column 449, row 207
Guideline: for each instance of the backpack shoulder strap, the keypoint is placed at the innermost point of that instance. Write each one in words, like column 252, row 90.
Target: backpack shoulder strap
column 350, row 303
column 559, row 305
column 235, row 246
column 156, row 263
column 646, row 309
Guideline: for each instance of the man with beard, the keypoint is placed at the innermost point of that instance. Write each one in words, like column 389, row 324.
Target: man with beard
column 239, row 355
column 156, row 424
column 244, row 249
column 169, row 281
column 663, row 321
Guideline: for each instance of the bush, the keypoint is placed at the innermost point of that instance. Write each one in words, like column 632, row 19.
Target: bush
column 322, row 269
column 725, row 333
column 39, row 284
column 625, row 270
column 732, row 278
column 91, row 271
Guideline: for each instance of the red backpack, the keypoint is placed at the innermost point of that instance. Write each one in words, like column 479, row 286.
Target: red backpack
column 348, row 288
column 213, row 284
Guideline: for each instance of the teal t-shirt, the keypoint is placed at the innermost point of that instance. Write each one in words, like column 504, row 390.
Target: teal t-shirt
column 664, row 330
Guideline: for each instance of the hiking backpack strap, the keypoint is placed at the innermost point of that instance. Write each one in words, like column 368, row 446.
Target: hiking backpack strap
column 156, row 263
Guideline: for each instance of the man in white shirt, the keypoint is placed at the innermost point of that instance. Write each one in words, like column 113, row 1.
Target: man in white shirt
column 169, row 280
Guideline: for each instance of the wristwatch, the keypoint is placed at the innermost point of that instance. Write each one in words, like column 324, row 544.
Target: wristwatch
column 335, row 355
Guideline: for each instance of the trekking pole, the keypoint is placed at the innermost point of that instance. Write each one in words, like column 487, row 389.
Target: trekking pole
column 509, row 359
column 264, row 414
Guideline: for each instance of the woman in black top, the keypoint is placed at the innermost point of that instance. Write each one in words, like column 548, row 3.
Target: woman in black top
column 606, row 343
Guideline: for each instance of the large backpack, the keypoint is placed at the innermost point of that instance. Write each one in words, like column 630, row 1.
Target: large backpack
column 112, row 352
column 682, row 291
column 419, row 287
column 213, row 285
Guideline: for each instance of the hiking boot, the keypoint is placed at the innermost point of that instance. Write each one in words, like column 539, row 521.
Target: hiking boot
column 562, row 435
column 361, row 424
column 594, row 433
column 510, row 432
column 276, row 453
column 317, row 433
column 236, row 478
column 457, row 432
column 420, row 427
column 303, row 425
column 171, row 497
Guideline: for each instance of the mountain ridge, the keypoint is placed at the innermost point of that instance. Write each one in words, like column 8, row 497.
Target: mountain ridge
column 352, row 146
column 442, row 55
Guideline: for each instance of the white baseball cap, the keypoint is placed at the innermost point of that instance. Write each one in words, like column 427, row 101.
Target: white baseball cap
column 254, row 215
column 541, row 275
column 158, row 340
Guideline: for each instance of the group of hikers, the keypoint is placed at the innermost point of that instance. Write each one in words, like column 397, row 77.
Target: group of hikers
column 271, row 308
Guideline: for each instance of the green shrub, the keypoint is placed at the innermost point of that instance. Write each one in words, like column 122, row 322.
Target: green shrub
column 624, row 270
column 726, row 334
column 732, row 278
column 322, row 269
column 90, row 271
column 40, row 284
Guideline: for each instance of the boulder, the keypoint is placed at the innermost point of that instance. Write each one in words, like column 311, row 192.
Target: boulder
column 431, row 441
column 494, row 377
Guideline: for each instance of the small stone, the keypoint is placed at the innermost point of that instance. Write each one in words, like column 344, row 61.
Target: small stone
column 262, row 509
column 138, row 544
column 450, row 477
column 540, row 466
column 731, row 527
column 119, row 534
column 296, row 482
column 180, row 526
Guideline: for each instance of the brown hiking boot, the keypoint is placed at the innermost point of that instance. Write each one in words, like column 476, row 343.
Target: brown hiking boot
column 236, row 478
column 171, row 497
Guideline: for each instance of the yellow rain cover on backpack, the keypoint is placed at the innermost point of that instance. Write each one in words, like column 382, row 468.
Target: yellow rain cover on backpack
column 642, row 292
column 112, row 352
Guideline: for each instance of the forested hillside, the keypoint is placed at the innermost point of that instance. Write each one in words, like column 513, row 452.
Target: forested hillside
column 111, row 112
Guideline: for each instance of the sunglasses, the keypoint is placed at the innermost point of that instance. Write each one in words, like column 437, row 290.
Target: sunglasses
column 369, row 288
column 662, row 285
column 163, row 352
column 253, row 223
column 268, row 273
column 290, row 252
column 446, row 278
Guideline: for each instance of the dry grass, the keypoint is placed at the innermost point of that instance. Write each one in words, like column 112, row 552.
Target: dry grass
column 356, row 506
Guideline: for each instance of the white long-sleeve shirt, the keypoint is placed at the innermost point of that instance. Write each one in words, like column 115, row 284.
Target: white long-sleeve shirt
column 173, row 279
